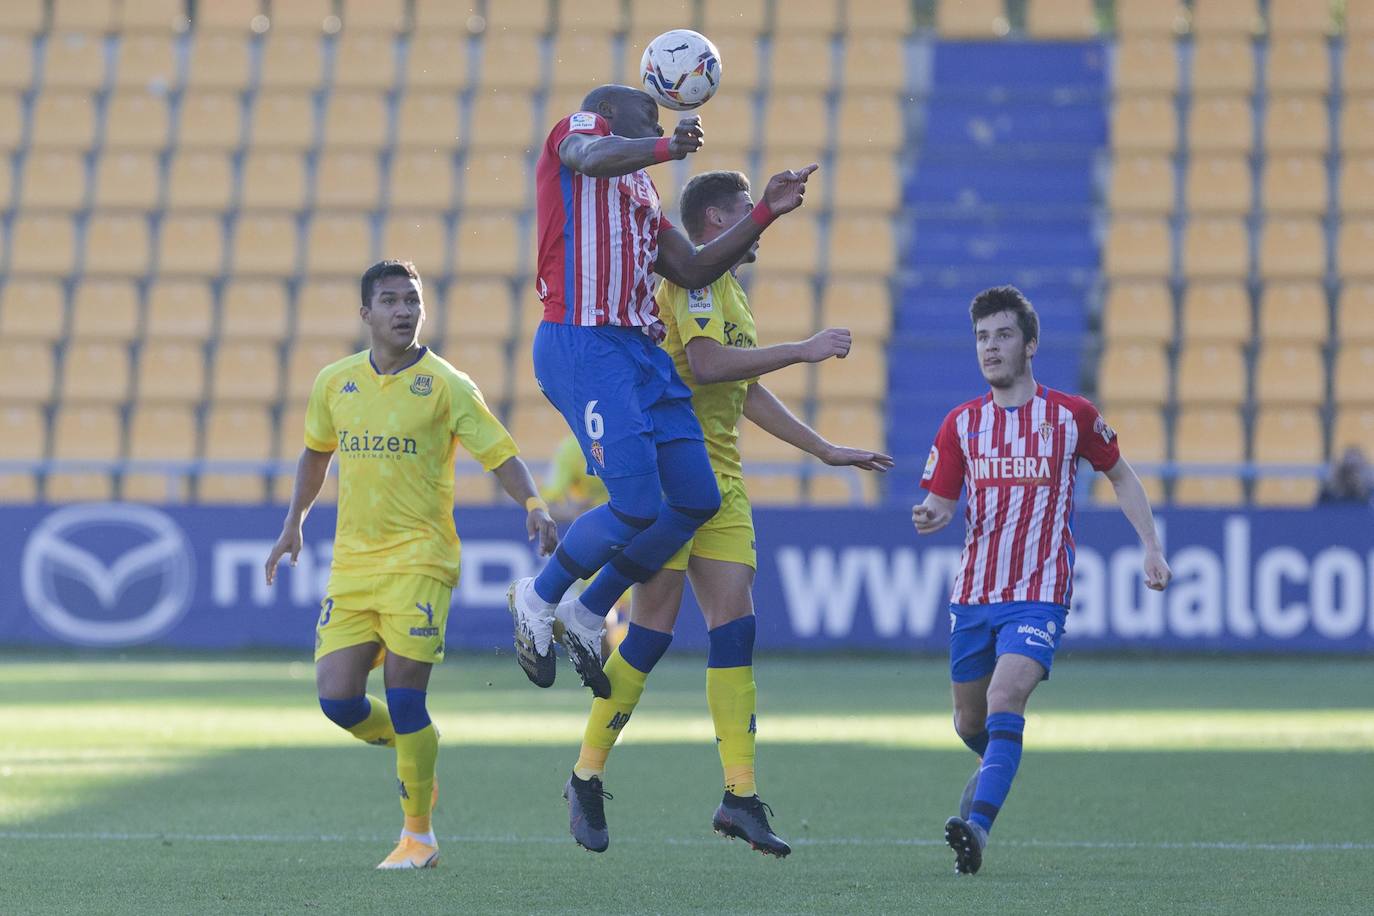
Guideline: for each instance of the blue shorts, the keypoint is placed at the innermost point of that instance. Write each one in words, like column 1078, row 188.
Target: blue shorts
column 618, row 392
column 979, row 634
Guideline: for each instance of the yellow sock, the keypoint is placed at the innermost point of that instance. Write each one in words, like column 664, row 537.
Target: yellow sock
column 416, row 756
column 731, row 694
column 376, row 728
column 609, row 716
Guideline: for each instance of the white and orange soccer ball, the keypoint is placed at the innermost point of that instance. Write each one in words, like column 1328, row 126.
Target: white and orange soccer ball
column 680, row 69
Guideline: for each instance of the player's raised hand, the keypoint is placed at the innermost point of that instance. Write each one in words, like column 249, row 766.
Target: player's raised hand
column 542, row 530
column 930, row 519
column 289, row 542
column 785, row 190
column 830, row 342
column 687, row 137
column 839, row 456
column 1157, row 571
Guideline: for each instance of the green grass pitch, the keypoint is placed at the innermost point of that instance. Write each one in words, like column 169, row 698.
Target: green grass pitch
column 205, row 785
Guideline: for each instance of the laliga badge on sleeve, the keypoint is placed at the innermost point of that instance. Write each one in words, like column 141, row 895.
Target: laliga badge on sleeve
column 931, row 463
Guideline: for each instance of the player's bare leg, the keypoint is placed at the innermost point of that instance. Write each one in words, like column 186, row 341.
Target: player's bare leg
column 341, row 683
column 970, row 723
column 407, row 680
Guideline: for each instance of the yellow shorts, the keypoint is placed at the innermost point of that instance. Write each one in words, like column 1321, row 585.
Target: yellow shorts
column 728, row 536
column 407, row 614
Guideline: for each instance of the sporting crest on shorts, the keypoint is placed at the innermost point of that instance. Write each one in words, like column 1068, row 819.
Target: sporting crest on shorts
column 599, row 453
column 422, row 385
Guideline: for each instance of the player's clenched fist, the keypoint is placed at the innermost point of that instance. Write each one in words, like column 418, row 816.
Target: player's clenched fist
column 785, row 190
column 930, row 518
column 830, row 342
column 687, row 137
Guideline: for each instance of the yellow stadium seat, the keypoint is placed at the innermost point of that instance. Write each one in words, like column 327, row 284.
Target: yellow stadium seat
column 486, row 361
column 283, row 120
column 1139, row 311
column 228, row 15
column 657, row 16
column 264, row 245
column 443, row 15
column 1292, row 248
column 857, row 424
column 210, row 120
column 152, row 15
column 95, row 372
column 338, row 244
column 862, row 304
column 1216, row 247
column 759, row 446
column 33, row 370
column 245, row 372
column 421, row 181
column 801, row 64
column 1354, row 314
column 1289, row 373
column 821, row 18
column 1141, row 432
column 428, row 121
column 783, row 305
column 305, row 360
column 792, row 384
column 526, row 16
column 146, row 62
column 1218, row 185
column 55, row 180
column 23, row 435
column 537, row 429
column 501, row 120
column 1357, row 64
column 161, row 432
column 273, row 180
column 861, row 375
column 1297, row 64
column 1350, row 378
column 74, row 60
column 871, row 122
column 25, row 17
column 1356, row 191
column 1355, row 249
column 105, row 310
column 510, row 61
column 1220, row 123
column 874, row 63
column 63, row 120
column 1140, row 373
column 292, row 60
column 1216, row 313
column 300, row 15
column 129, row 181
column 16, row 60
column 1294, row 185
column 356, row 120
column 1142, row 185
column 1359, row 17
column 1147, row 63
column 971, row 19
column 348, row 180
column 84, row 432
column 1210, row 373
column 171, row 371
column 1137, row 247
column 291, row 431
column 773, row 488
column 1294, row 312
column 866, row 182
column 32, row 309
column 190, row 244
column 136, row 119
column 1225, row 63
column 477, row 308
column 794, row 243
column 739, row 52
column 1208, row 436
column 864, row 16
column 749, row 17
column 580, row 60
column 219, row 60
column 844, row 488
column 42, row 244
column 328, row 310
column 1287, row 436
column 732, row 129
column 1289, row 17
column 496, row 181
column 179, row 310
column 590, row 17
column 861, row 244
column 1354, row 426
column 200, row 180
column 487, row 244
column 437, row 61
column 235, row 433
column 83, row 15
column 1062, row 19
column 366, row 60
column 253, row 310
column 1239, row 17
column 1146, row 123
column 1296, row 124
column 418, row 237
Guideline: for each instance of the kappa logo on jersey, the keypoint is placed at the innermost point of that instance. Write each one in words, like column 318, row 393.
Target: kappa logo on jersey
column 1102, row 429
column 349, row 387
column 583, row 120
column 1011, row 471
column 699, row 300
column 932, row 463
column 422, row 385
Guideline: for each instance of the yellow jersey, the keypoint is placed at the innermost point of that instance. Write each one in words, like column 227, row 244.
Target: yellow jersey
column 395, row 436
column 568, row 478
column 720, row 312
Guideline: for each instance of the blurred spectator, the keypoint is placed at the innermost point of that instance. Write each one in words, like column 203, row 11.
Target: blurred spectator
column 1350, row 480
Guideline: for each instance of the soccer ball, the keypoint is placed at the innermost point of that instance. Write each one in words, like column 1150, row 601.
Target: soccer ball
column 680, row 69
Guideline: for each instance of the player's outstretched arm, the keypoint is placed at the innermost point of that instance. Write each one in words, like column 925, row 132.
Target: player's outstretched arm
column 763, row 408
column 612, row 156
column 712, row 361
column 1135, row 505
column 515, row 479
column 694, row 268
column 933, row 514
column 310, row 473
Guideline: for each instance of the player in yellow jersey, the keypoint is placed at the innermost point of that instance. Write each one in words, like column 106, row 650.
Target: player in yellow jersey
column 713, row 341
column 395, row 414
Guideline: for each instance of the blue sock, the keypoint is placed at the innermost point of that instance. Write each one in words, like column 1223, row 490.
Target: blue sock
column 978, row 743
column 1000, row 761
column 407, row 707
column 599, row 534
column 642, row 647
column 346, row 713
column 732, row 644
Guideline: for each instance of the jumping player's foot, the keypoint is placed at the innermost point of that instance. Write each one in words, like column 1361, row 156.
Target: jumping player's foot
column 411, row 853
column 587, row 812
column 533, row 633
column 582, row 639
column 968, row 841
column 745, row 819
column 966, row 800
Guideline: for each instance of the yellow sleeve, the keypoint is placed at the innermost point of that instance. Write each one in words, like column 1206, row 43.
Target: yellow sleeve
column 696, row 312
column 476, row 428
column 319, row 422
column 568, row 468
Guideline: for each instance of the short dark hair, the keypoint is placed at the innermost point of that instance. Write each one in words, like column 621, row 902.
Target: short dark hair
column 709, row 189
column 391, row 267
column 1006, row 299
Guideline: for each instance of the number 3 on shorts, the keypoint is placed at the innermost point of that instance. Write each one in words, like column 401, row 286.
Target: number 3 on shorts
column 596, row 427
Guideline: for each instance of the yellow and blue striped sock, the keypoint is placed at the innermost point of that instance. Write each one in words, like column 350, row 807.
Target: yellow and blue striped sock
column 628, row 669
column 733, row 699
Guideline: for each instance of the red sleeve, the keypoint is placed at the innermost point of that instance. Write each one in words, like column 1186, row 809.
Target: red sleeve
column 944, row 474
column 579, row 122
column 1096, row 440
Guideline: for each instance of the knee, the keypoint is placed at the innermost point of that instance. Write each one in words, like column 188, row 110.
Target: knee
column 969, row 723
column 408, row 711
column 704, row 504
column 1002, row 699
column 635, row 501
column 345, row 713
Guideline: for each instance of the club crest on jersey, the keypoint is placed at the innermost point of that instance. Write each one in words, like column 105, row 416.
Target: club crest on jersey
column 598, row 453
column 1046, row 431
column 1102, row 429
column 422, row 385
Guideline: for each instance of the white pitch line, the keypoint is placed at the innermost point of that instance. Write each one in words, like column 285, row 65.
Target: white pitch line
column 682, row 841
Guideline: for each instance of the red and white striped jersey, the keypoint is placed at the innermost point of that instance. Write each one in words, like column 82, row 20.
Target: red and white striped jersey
column 598, row 237
column 1019, row 466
